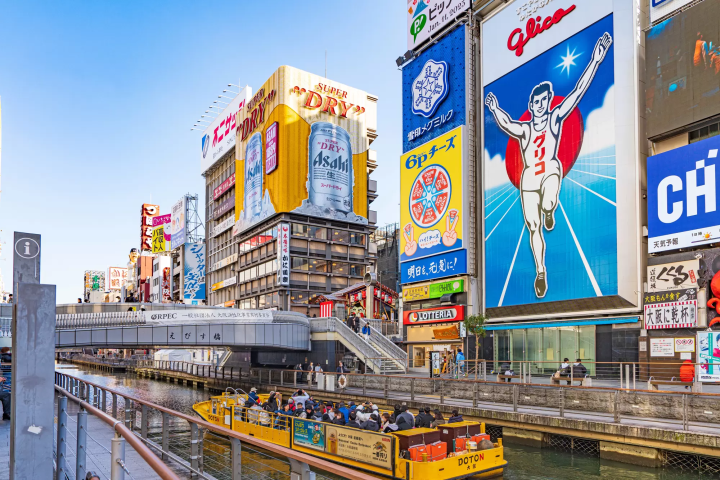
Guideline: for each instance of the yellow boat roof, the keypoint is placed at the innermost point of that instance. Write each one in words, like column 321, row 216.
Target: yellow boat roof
column 414, row 431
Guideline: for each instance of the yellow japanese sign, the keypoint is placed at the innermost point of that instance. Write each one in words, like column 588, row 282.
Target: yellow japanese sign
column 431, row 197
column 158, row 239
column 362, row 446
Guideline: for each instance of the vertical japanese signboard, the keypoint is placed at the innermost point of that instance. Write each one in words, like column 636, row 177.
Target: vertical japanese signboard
column 147, row 214
column 116, row 277
column 178, row 224
column 194, row 284
column 283, row 249
column 673, row 276
column 161, row 233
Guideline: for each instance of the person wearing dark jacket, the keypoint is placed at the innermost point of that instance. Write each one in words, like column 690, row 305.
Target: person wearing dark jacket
column 272, row 404
column 409, row 419
column 353, row 421
column 402, row 423
column 371, row 424
column 424, row 419
column 578, row 370
column 344, row 410
column 339, row 417
column 456, row 417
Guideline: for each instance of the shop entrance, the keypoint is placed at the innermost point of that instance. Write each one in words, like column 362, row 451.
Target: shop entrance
column 419, row 354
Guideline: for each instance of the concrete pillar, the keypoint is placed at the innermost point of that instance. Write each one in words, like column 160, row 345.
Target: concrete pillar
column 528, row 438
column 632, row 454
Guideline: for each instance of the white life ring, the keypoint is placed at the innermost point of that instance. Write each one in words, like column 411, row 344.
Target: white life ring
column 342, row 381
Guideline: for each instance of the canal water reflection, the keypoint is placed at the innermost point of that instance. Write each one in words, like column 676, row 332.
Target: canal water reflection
column 524, row 463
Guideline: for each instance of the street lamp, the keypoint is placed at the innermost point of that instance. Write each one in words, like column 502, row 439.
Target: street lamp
column 218, row 101
column 223, row 96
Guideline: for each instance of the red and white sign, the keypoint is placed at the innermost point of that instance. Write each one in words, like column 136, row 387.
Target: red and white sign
column 219, row 138
column 224, row 186
column 283, row 249
column 271, row 148
column 116, row 277
column 147, row 213
column 326, row 309
column 671, row 315
column 435, row 315
column 166, row 294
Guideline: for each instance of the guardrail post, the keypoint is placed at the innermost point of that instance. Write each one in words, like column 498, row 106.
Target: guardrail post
column 562, row 401
column 61, row 470
column 295, row 375
column 117, row 457
column 282, row 378
column 484, row 367
column 627, row 376
column 128, row 413
column 412, row 389
column 103, row 398
column 194, row 454
column 144, row 420
column 685, row 411
column 616, row 406
column 442, row 393
column 364, row 384
column 81, row 449
column 621, row 375
column 386, row 387
column 634, row 376
column 236, row 452
column 515, row 391
column 114, row 405
column 475, row 394
column 165, row 435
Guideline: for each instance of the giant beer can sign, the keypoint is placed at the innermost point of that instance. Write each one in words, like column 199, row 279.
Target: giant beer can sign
column 253, row 176
column 330, row 178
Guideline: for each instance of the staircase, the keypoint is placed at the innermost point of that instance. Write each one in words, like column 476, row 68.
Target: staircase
column 380, row 354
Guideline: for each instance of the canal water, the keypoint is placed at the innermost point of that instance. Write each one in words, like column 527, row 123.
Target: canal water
column 524, row 463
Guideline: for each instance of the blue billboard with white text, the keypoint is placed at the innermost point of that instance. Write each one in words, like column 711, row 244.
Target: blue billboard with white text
column 194, row 284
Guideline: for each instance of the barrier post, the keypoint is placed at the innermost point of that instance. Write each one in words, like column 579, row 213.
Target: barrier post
column 61, row 470
column 194, row 444
column 81, row 449
column 165, row 435
column 236, row 452
column 117, row 457
column 144, row 421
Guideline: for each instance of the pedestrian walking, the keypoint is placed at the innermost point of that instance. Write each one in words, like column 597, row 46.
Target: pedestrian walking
column 460, row 358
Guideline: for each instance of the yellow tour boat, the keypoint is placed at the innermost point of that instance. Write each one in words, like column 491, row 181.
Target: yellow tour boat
column 445, row 453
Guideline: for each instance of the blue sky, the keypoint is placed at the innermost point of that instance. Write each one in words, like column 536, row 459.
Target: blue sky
column 98, row 99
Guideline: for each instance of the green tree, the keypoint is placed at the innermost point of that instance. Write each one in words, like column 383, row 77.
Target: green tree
column 475, row 325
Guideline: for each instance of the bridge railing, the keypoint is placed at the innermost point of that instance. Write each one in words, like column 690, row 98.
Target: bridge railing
column 100, row 319
column 187, row 441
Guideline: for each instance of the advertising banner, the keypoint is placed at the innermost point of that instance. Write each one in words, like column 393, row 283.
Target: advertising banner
column 682, row 62
column 450, row 333
column 683, row 196
column 662, row 347
column 222, row 226
column 321, row 145
column 164, row 221
column 359, row 445
column 283, row 252
column 671, row 309
column 94, row 282
column 147, row 214
column 179, row 227
column 432, row 214
column 228, row 282
column 224, row 262
column 708, row 356
column 555, row 149
column 673, row 276
column 219, row 138
column 166, row 293
column 425, row 18
column 226, row 185
column 434, row 87
column 158, row 239
column 309, row 434
column 440, row 266
column 432, row 290
column 194, row 277
column 192, row 314
column 116, row 277
column 223, row 207
column 454, row 313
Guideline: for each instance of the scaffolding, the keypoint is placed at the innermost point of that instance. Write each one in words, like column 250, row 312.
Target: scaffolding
column 195, row 226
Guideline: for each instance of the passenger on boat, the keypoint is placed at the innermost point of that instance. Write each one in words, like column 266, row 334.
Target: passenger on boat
column 388, row 426
column 273, row 402
column 424, row 419
column 456, row 417
column 339, row 417
column 317, row 413
column 406, row 415
column 254, row 412
column 402, row 424
column 352, row 406
column 439, row 419
column 308, row 413
column 396, row 412
column 253, row 394
column 329, row 416
column 353, row 423
column 344, row 410
column 371, row 424
column 300, row 397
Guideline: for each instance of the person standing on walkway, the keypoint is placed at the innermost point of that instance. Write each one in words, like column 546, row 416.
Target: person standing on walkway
column 460, row 358
column 366, row 332
column 687, row 372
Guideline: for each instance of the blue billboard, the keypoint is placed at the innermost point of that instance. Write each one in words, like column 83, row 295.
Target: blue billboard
column 194, row 278
column 434, row 91
column 550, row 169
column 430, row 268
column 682, row 197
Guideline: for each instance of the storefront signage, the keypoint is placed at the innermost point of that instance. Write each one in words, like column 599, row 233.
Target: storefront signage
column 445, row 265
column 433, row 290
column 673, row 276
column 309, row 434
column 147, row 213
column 116, row 277
column 223, row 207
column 450, row 333
column 673, row 309
column 158, row 239
column 283, row 249
column 660, row 8
column 662, row 347
column 229, row 303
column 434, row 315
column 425, row 18
column 708, row 356
column 684, row 345
column 225, row 283
column 224, row 186
column 166, row 294
column 359, row 445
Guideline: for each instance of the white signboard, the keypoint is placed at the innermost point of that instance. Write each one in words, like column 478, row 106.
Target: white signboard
column 219, row 138
column 283, row 249
column 224, row 262
column 178, row 223
column 662, row 347
column 673, row 276
column 116, row 277
column 685, row 344
column 671, row 315
column 203, row 315
column 426, row 18
column 222, row 226
column 660, row 8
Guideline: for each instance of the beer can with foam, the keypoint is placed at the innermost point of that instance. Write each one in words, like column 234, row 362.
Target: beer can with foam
column 252, row 202
column 330, row 171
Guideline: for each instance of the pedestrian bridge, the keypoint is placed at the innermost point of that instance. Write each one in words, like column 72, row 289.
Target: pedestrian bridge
column 189, row 327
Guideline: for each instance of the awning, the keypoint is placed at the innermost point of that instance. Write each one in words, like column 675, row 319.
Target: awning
column 566, row 323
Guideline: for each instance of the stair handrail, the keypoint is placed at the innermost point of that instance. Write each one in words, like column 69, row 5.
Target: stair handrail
column 389, row 348
column 333, row 324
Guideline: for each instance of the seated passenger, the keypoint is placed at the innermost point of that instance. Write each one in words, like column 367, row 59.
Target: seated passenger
column 371, row 424
column 353, row 423
column 387, row 424
column 456, row 417
column 253, row 394
column 339, row 417
column 424, row 419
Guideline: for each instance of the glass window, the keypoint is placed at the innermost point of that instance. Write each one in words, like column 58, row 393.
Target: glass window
column 299, row 263
column 299, row 230
column 319, row 233
column 341, row 236
column 586, row 340
column 568, row 343
column 298, row 297
column 341, row 268
column 261, row 270
column 357, row 270
column 357, row 238
column 318, row 266
column 275, row 299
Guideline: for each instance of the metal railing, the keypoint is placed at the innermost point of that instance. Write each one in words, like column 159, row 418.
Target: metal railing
column 385, row 344
column 190, row 368
column 100, row 319
column 152, row 432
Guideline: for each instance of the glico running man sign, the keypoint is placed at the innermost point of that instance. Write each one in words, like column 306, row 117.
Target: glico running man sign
column 556, row 150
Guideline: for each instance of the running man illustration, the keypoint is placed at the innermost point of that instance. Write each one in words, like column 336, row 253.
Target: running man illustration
column 539, row 140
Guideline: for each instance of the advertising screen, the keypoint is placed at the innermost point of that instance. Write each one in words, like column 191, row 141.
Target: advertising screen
column 194, row 284
column 708, row 356
column 682, row 197
column 319, row 148
column 683, row 69
column 434, row 86
column 553, row 161
column 219, row 137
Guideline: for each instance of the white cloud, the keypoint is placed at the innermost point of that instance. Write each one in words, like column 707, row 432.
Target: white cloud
column 600, row 126
column 495, row 173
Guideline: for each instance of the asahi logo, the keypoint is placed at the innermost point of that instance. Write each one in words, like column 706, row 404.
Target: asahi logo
column 430, row 315
column 254, row 170
column 324, row 161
